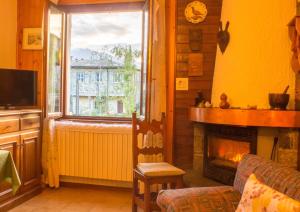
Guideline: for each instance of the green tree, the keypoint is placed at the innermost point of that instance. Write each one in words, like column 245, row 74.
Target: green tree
column 128, row 74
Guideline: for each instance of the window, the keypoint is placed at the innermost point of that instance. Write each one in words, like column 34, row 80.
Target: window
column 116, row 77
column 54, row 61
column 80, row 77
column 120, row 106
column 105, row 69
column 99, row 77
column 105, row 51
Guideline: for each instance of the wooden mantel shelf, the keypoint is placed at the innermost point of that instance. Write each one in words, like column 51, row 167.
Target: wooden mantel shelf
column 243, row 117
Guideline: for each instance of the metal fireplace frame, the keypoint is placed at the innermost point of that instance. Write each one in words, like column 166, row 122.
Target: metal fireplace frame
column 226, row 175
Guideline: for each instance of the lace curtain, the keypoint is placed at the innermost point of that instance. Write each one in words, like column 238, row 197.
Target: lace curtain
column 50, row 163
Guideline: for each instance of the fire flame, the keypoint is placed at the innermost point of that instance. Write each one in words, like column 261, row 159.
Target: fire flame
column 237, row 158
column 226, row 149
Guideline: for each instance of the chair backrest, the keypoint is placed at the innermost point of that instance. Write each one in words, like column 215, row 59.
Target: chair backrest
column 142, row 127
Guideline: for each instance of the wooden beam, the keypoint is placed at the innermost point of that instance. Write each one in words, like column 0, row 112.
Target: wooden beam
column 90, row 8
column 82, row 2
column 170, row 73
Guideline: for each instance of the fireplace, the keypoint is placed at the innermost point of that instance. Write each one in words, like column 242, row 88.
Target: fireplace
column 224, row 147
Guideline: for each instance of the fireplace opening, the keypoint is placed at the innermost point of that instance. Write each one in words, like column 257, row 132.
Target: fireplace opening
column 224, row 147
column 226, row 152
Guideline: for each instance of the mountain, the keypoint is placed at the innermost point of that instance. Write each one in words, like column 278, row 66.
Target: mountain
column 102, row 56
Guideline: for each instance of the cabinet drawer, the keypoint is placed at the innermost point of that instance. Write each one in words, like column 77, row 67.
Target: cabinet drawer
column 9, row 124
column 30, row 122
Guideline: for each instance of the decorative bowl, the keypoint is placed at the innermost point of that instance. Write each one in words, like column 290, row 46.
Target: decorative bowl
column 279, row 101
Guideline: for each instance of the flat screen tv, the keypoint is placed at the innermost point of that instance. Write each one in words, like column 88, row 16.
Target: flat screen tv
column 18, row 88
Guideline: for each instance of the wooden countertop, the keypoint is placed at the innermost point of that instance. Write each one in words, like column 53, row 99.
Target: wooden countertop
column 244, row 117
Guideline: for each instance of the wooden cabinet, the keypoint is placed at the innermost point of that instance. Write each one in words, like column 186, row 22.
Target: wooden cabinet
column 12, row 144
column 20, row 134
column 30, row 173
column 9, row 124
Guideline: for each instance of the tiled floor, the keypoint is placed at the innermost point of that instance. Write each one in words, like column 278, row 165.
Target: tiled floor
column 78, row 200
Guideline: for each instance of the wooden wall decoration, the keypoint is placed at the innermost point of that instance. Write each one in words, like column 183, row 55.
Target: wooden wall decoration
column 223, row 37
column 195, row 39
column 183, row 128
column 195, row 68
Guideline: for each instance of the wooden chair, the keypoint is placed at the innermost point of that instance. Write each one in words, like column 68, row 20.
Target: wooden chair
column 160, row 173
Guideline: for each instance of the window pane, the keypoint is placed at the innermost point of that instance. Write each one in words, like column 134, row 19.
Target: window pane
column 54, row 61
column 105, row 64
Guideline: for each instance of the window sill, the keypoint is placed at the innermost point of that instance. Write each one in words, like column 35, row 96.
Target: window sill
column 105, row 120
column 56, row 115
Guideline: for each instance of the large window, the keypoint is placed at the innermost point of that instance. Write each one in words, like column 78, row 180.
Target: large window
column 105, row 64
column 97, row 61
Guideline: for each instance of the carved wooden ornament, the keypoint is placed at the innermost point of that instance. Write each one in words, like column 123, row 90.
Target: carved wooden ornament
column 223, row 37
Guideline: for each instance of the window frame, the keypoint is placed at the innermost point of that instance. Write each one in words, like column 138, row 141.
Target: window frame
column 51, row 6
column 113, row 7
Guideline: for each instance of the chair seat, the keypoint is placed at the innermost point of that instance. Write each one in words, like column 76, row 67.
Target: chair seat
column 160, row 169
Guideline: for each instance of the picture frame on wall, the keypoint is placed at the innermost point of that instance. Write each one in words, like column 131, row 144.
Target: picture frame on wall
column 32, row 39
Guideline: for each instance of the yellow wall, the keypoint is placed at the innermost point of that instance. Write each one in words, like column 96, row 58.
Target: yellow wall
column 257, row 60
column 8, row 32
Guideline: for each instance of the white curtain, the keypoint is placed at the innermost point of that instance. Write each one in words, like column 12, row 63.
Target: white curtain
column 158, row 82
column 50, row 155
column 158, row 88
column 158, row 75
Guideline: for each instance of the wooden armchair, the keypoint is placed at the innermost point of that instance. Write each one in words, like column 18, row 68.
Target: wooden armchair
column 160, row 173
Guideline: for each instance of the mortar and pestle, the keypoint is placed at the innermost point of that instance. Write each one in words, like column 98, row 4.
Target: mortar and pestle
column 279, row 101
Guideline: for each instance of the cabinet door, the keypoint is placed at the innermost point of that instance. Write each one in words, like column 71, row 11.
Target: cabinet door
column 30, row 157
column 12, row 144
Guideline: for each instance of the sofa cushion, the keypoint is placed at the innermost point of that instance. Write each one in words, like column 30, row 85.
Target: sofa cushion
column 208, row 199
column 260, row 197
column 274, row 175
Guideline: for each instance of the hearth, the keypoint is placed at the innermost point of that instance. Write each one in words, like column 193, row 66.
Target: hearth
column 224, row 147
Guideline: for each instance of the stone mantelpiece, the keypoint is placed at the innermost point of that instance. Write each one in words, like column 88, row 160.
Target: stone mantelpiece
column 198, row 147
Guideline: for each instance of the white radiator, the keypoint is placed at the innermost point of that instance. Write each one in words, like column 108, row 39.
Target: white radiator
column 94, row 152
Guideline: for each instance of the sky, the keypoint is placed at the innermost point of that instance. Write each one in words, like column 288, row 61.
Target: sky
column 97, row 29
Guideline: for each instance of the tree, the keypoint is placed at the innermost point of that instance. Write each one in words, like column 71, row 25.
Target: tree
column 128, row 73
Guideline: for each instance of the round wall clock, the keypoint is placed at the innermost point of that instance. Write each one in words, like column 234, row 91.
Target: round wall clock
column 195, row 12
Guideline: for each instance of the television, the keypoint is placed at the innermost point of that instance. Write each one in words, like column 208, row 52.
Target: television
column 18, row 88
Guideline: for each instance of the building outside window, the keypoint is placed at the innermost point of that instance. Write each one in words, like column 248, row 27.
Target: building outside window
column 105, row 74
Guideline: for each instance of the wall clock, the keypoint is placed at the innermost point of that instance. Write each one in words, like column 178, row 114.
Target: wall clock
column 195, row 12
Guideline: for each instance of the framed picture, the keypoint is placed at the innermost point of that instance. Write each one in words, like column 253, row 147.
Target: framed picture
column 32, row 38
